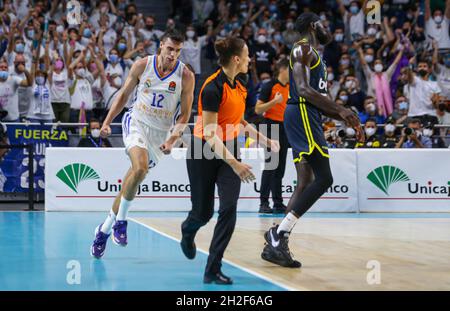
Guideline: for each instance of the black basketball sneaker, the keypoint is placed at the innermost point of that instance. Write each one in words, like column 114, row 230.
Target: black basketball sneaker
column 277, row 250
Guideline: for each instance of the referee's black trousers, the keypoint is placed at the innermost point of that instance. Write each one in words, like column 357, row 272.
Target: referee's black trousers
column 272, row 177
column 204, row 175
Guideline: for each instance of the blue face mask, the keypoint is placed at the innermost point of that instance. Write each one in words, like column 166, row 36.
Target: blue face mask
column 4, row 75
column 42, row 67
column 113, row 58
column 273, row 8
column 122, row 47
column 354, row 9
column 20, row 48
column 87, row 33
column 403, row 105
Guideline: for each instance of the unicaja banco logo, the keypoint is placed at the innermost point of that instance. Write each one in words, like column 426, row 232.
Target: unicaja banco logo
column 384, row 176
column 73, row 174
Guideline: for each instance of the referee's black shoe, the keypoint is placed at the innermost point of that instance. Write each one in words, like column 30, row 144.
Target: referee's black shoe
column 264, row 208
column 277, row 250
column 217, row 278
column 188, row 245
column 279, row 208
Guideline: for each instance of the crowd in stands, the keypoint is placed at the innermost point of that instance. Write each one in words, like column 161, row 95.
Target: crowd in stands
column 394, row 74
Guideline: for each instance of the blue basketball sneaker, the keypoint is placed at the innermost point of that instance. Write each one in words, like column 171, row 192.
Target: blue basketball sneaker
column 99, row 245
column 120, row 232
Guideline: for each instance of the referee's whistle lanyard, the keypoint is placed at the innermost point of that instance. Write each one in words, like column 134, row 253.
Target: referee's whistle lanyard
column 95, row 143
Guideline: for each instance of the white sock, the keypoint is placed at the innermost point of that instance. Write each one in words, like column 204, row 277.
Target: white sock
column 123, row 209
column 288, row 223
column 109, row 222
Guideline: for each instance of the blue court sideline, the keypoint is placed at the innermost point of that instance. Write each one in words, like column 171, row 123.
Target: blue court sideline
column 36, row 248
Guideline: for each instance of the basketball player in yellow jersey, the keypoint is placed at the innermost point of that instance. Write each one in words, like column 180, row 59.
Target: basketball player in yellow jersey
column 308, row 101
column 162, row 83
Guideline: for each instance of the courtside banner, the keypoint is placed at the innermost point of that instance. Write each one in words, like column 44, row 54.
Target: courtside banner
column 88, row 179
column 404, row 180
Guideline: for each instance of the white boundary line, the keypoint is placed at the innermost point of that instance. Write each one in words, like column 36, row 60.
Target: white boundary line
column 224, row 260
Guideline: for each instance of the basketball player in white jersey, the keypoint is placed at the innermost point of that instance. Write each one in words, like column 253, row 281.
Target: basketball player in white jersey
column 165, row 91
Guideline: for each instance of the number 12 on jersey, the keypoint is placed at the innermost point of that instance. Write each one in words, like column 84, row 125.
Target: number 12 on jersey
column 157, row 103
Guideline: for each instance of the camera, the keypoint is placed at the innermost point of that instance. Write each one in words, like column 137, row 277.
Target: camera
column 408, row 131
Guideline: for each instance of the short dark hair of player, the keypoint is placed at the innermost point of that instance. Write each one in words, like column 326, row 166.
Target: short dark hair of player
column 303, row 22
column 227, row 48
column 173, row 35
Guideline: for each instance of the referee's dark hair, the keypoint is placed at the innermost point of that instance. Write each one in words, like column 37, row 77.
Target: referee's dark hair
column 303, row 22
column 282, row 63
column 227, row 48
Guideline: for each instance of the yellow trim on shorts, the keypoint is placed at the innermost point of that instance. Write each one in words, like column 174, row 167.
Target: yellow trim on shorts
column 311, row 142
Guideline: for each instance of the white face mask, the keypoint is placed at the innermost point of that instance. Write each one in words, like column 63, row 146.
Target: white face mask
column 81, row 72
column 390, row 128
column 330, row 76
column 95, row 133
column 370, row 131
column 290, row 25
column 349, row 84
column 368, row 58
column 428, row 132
column 190, row 34
column 378, row 68
column 262, row 39
column 371, row 107
column 339, row 37
column 344, row 98
column 265, row 80
column 372, row 31
column 438, row 19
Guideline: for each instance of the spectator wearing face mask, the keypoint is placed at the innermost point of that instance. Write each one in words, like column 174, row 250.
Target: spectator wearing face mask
column 97, row 78
column 192, row 49
column 356, row 97
column 93, row 140
column 41, row 109
column 150, row 35
column 371, row 111
column 333, row 86
column 389, row 139
column 114, row 75
column 332, row 51
column 422, row 93
column 372, row 139
column 437, row 25
column 105, row 8
column 345, row 65
column 290, row 36
column 263, row 52
column 433, row 134
column 9, row 85
column 354, row 17
column 107, row 37
column 412, row 136
column 378, row 81
column 80, row 90
column 23, row 92
column 400, row 114
column 442, row 70
column 59, row 88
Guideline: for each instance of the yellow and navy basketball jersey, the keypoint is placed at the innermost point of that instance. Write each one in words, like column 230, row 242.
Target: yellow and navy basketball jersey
column 303, row 120
column 317, row 79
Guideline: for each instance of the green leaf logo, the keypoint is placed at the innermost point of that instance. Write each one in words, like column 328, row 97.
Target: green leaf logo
column 75, row 173
column 384, row 176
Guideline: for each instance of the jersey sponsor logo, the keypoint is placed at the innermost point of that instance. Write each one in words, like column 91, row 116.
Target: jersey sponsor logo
column 322, row 84
column 172, row 86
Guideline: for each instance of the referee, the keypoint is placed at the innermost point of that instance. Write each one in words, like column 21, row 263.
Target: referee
column 272, row 103
column 214, row 153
